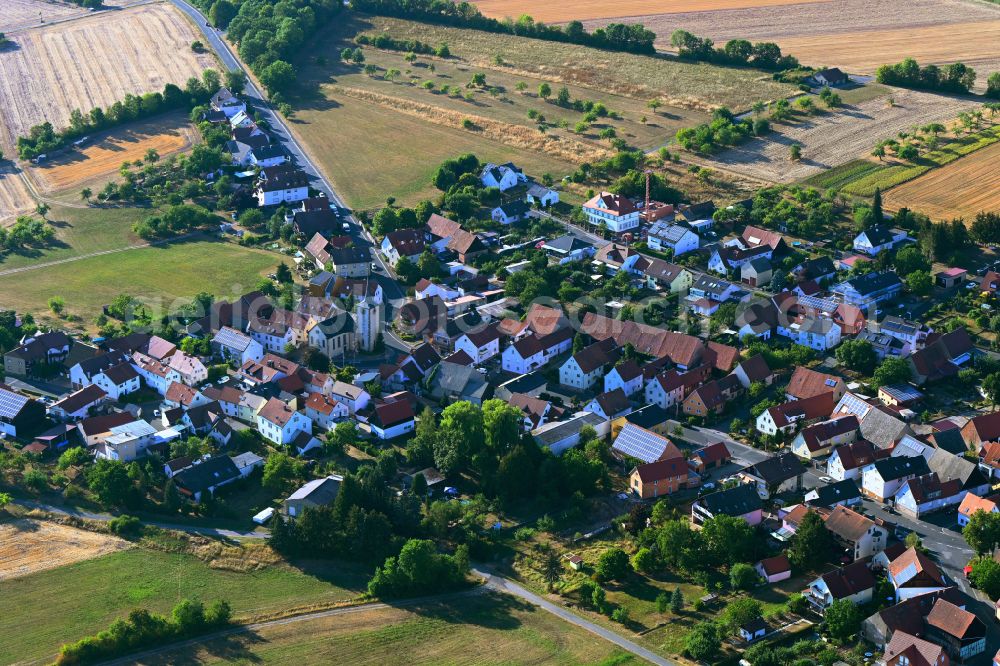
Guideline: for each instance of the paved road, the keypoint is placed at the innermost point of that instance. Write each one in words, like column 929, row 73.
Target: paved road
column 505, row 585
column 105, row 517
column 394, row 294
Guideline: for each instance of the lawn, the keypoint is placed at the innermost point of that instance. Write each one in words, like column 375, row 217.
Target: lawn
column 63, row 604
column 368, row 163
column 82, row 231
column 480, row 629
column 160, row 276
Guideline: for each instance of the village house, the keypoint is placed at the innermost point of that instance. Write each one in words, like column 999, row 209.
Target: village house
column 860, row 536
column 818, row 439
column 774, row 569
column 204, row 477
column 615, row 212
column 610, row 405
column 407, row 243
column 637, row 443
column 927, row 493
column 20, row 415
column 392, row 419
column 905, row 649
column 155, row 374
column 501, row 176
column 710, row 457
column 284, row 187
column 818, row 269
column 942, row 357
column 510, row 211
column 877, row 239
column 565, row 249
column 457, row 381
column 757, row 272
column 230, row 344
column 227, row 103
column 669, row 388
column 584, row 368
column 960, row 632
column 627, row 376
column 78, row 404
column 775, row 475
column 830, row 77
column 806, row 383
column 534, row 351
column 663, row 274
column 324, row 411
column 741, row 501
column 711, row 397
column 882, row 479
column 754, row 370
column 972, row 503
column 663, row 477
column 853, row 582
column 540, row 195
column 118, row 380
column 729, row 259
column 911, row 334
column 868, row 290
column 913, row 573
column 280, row 424
column 673, row 237
column 787, row 417
column 838, row 493
column 41, row 349
column 878, row 424
column 313, row 494
column 481, row 344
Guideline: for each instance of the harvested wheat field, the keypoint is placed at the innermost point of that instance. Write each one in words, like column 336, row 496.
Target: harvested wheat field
column 562, row 11
column 20, row 14
column 92, row 62
column 27, row 546
column 832, row 138
column 960, row 189
column 975, row 44
column 14, row 195
column 858, row 35
column 102, row 157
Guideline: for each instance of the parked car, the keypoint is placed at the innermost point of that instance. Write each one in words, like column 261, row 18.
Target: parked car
column 826, row 479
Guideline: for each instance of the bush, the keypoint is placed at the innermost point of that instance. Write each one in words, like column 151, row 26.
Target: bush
column 743, row 576
column 125, row 526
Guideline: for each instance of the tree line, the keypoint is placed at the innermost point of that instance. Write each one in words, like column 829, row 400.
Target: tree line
column 954, row 78
column 143, row 629
column 268, row 35
column 736, row 52
column 44, row 138
column 629, row 37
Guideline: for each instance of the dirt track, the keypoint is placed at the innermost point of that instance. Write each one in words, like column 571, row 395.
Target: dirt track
column 27, row 546
column 831, row 139
column 93, row 61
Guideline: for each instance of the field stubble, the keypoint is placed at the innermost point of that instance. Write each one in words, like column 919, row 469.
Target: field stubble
column 92, row 62
column 28, row 546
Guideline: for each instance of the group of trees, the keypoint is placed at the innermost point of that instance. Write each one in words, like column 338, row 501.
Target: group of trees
column 367, row 522
column 632, row 37
column 173, row 221
column 489, row 442
column 739, row 52
column 985, row 228
column 723, row 131
column 268, row 35
column 143, row 629
column 803, row 211
column 44, row 138
column 419, row 569
column 26, row 232
column 955, row 78
column 385, row 42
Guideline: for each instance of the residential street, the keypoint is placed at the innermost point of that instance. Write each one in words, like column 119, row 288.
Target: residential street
column 394, row 294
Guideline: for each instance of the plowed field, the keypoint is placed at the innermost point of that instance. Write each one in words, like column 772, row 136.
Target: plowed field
column 960, row 189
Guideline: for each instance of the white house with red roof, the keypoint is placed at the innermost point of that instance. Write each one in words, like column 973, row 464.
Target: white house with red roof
column 615, row 211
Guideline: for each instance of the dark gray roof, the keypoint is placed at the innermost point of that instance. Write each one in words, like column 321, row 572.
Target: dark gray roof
column 900, row 466
column 777, row 469
column 829, row 495
column 204, row 475
column 733, row 501
column 567, row 244
column 873, row 282
column 878, row 235
column 950, row 466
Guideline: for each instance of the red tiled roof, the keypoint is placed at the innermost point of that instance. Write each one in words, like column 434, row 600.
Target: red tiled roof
column 775, row 565
column 806, row 383
column 660, row 470
column 950, row 619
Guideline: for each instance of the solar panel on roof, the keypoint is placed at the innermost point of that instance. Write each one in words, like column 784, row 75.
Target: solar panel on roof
column 638, row 443
column 854, row 405
column 11, row 403
column 830, row 382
